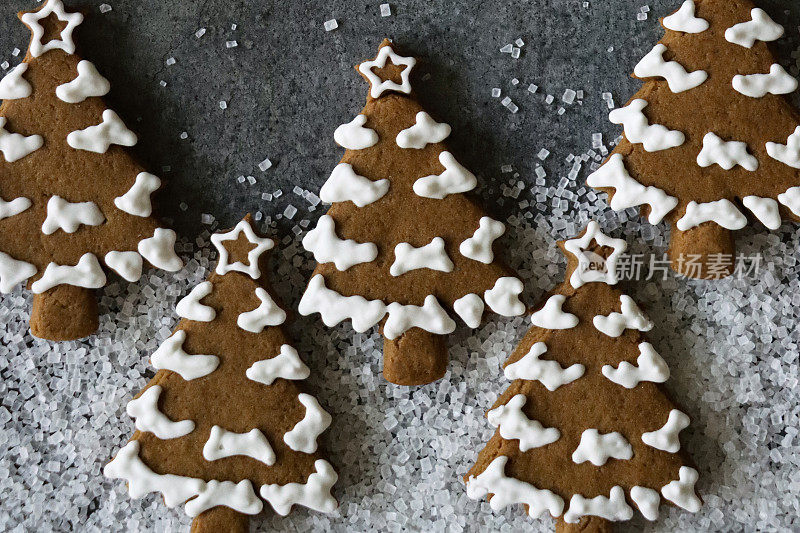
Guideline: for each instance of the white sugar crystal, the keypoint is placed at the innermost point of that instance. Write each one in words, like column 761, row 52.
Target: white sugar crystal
column 251, row 180
column 4, row 65
column 162, row 83
column 170, row 61
column 641, row 16
column 507, row 49
column 513, row 107
column 386, row 10
column 569, row 96
column 532, row 88
column 206, row 218
column 496, row 92
column 265, row 165
column 543, row 153
column 184, row 135
column 331, row 25
column 514, row 81
column 223, row 104
column 515, row 53
column 549, row 99
column 290, row 211
column 104, row 8
column 231, row 44
column 234, row 26
column 15, row 52
column 520, row 43
column 200, row 32
column 505, row 101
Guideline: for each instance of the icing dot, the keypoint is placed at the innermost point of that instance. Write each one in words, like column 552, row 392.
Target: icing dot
column 723, row 212
column 13, row 86
column 454, row 179
column 548, row 373
column 144, row 410
column 99, row 138
column 266, row 314
column 470, row 308
column 238, row 496
column 315, row 493
column 479, row 246
column 432, row 256
column 87, row 273
column 13, row 272
column 303, row 436
column 726, row 154
column 653, row 66
column 550, row 316
column 667, row 437
column 68, row 216
column 638, row 129
column 631, row 317
column 285, row 365
column 685, row 20
column 647, row 500
column 345, row 185
column 159, row 250
column 778, row 81
column 681, row 491
column 425, row 131
column 354, row 136
column 15, row 146
column 88, row 83
column 791, row 199
column 760, row 28
column 190, row 308
column 327, row 247
column 223, row 443
column 136, row 201
column 650, row 366
column 514, row 424
column 430, row 316
column 171, row 356
column 14, row 207
column 765, row 210
column 334, row 308
column 127, row 264
column 613, row 507
column 599, row 448
column 503, row 298
column 789, row 153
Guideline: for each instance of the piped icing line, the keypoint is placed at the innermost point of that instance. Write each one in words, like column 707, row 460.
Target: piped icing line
column 650, row 366
column 479, row 246
column 222, row 443
column 514, row 424
column 136, row 201
column 354, row 136
column 266, row 314
column 89, row 82
column 262, row 244
column 612, row 507
column 598, row 448
column 87, row 273
column 638, row 130
column 726, row 154
column 431, row 255
column 584, row 273
column 15, row 146
column 430, row 316
column 629, row 192
column 760, row 27
column 327, row 247
column 667, row 437
column 377, row 85
column 685, row 20
column 470, row 308
column 678, row 79
column 344, row 185
column 315, row 493
column 144, row 410
column 425, row 131
column 171, row 356
column 681, row 491
column 509, row 491
column 159, row 250
column 631, row 317
column 789, row 153
column 765, row 210
column 303, row 436
column 550, row 316
column 240, row 497
column 454, row 179
column 503, row 298
column 100, row 137
column 548, row 373
column 722, row 212
column 334, row 307
column 127, row 264
column 65, row 41
column 13, row 272
column 14, row 207
column 791, row 199
column 190, row 308
column 285, row 365
column 69, row 216
column 13, row 86
column 647, row 500
column 777, row 81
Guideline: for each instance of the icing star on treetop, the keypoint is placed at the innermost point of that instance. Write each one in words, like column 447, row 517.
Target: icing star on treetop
column 379, row 85
column 65, row 42
column 593, row 267
column 261, row 246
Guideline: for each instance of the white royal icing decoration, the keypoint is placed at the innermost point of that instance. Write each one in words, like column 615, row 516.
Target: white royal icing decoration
column 148, row 417
column 14, row 207
column 548, row 373
column 723, row 212
column 650, row 366
column 261, row 245
column 223, row 443
column 238, row 496
column 760, row 28
column 789, row 153
column 13, row 86
column 315, row 493
column 479, row 246
column 303, row 436
column 159, row 250
column 685, row 20
column 514, row 424
column 653, row 137
column 189, row 306
column 136, row 201
column 586, row 272
column 726, row 154
column 454, row 179
column 508, row 491
column 13, row 272
column 87, row 273
column 550, row 316
column 378, row 86
column 681, row 491
column 68, row 216
column 791, row 199
column 88, row 83
column 647, row 500
column 470, row 308
column 629, row 192
column 15, row 146
column 99, row 138
column 631, row 317
column 653, row 66
column 598, row 448
column 425, row 131
column 171, row 356
column 432, row 256
column 345, row 185
column 430, row 317
column 612, row 508
column 354, row 136
column 503, row 298
column 127, row 264
column 64, row 42
column 327, row 247
column 666, row 438
column 334, row 308
column 266, row 314
column 778, row 81
column 765, row 210
column 285, row 365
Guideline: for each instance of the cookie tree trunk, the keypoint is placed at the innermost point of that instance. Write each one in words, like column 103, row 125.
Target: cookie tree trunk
column 414, row 358
column 589, row 524
column 220, row 519
column 64, row 313
column 703, row 252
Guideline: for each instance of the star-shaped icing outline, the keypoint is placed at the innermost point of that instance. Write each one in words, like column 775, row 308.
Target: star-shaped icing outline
column 378, row 86
column 65, row 43
column 262, row 245
column 578, row 246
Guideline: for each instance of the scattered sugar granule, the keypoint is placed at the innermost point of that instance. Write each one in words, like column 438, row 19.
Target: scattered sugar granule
column 206, row 218
column 162, row 83
column 4, row 65
column 251, row 180
column 513, row 107
column 170, row 61
column 183, row 206
column 240, row 179
column 507, row 49
column 199, row 33
column 234, row 26
column 290, row 211
column 645, row 9
column 569, row 96
column 514, row 81
column 278, row 193
column 549, row 99
column 184, row 135
column 266, row 196
column 561, row 110
column 496, row 92
column 532, row 88
column 515, row 52
column 641, row 16
column 223, row 104
column 15, row 52
column 543, row 153
column 506, row 169
column 104, row 8
column 386, row 10
column 258, row 216
column 610, row 48
column 579, row 94
column 520, row 43
column 331, row 25
column 505, row 101
column 264, row 165
column 231, row 44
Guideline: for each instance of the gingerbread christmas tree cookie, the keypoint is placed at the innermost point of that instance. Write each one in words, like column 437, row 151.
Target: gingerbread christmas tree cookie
column 71, row 196
column 225, row 418
column 402, row 240
column 711, row 137
column 585, row 431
